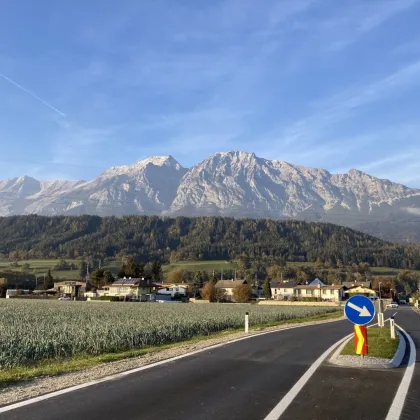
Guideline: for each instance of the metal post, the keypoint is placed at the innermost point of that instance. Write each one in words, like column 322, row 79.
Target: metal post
column 392, row 326
column 246, row 322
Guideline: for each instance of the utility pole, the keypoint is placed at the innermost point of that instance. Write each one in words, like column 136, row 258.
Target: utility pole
column 221, row 275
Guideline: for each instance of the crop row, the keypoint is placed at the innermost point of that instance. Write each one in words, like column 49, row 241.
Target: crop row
column 32, row 331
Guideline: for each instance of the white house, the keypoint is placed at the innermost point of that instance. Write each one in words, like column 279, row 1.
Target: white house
column 333, row 293
column 227, row 287
column 173, row 290
column 281, row 290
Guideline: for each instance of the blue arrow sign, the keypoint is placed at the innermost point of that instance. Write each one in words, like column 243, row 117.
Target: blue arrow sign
column 359, row 310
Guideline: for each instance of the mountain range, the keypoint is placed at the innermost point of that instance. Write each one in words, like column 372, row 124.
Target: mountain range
column 236, row 184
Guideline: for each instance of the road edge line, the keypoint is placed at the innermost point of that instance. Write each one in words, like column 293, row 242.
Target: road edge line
column 120, row 375
column 398, row 402
column 284, row 403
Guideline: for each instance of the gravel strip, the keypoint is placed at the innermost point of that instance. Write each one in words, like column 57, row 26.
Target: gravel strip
column 45, row 385
column 357, row 361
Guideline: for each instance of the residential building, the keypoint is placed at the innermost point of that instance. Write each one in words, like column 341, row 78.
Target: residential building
column 282, row 290
column 69, row 288
column 333, row 293
column 227, row 287
column 359, row 288
column 173, row 290
column 133, row 288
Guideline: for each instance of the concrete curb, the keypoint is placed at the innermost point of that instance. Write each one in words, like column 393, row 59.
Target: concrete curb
column 395, row 362
column 400, row 353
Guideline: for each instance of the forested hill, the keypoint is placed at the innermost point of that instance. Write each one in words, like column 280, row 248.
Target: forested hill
column 151, row 237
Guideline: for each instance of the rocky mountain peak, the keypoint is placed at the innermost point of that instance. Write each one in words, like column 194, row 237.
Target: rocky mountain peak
column 234, row 183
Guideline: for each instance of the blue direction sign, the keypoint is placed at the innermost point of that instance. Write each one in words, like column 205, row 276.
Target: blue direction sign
column 359, row 310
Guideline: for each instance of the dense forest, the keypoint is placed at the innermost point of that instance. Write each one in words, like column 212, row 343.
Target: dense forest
column 203, row 238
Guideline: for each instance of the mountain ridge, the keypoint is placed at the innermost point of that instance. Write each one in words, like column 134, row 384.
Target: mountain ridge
column 234, row 183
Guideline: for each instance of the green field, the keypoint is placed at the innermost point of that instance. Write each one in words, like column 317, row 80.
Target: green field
column 200, row 265
column 40, row 267
column 35, row 331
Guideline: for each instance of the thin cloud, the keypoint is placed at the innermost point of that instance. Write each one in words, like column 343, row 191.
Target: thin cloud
column 32, row 94
column 336, row 108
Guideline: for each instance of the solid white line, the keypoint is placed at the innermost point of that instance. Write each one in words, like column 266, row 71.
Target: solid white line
column 397, row 406
column 139, row 369
column 281, row 407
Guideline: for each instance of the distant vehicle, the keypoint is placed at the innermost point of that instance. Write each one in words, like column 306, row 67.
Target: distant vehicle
column 402, row 302
column 392, row 305
column 64, row 298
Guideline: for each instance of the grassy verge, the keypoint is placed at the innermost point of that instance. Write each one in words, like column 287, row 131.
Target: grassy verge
column 380, row 344
column 58, row 367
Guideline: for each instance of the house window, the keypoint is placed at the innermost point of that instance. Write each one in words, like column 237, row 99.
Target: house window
column 284, row 290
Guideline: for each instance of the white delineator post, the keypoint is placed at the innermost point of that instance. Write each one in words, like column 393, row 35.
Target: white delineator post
column 392, row 326
column 380, row 315
column 246, row 322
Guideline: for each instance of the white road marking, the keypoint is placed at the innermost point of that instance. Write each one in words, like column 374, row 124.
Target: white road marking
column 397, row 406
column 139, row 369
column 281, row 407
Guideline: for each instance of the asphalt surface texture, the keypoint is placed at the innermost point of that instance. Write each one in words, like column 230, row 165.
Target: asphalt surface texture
column 409, row 319
column 245, row 380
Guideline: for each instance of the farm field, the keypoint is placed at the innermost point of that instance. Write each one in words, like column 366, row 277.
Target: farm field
column 41, row 267
column 35, row 331
column 200, row 265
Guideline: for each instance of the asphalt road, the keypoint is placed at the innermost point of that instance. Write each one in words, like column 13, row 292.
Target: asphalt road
column 244, row 380
column 410, row 321
column 359, row 394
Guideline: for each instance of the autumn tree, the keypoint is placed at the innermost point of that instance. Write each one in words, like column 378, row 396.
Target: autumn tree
column 242, row 293
column 208, row 292
column 175, row 276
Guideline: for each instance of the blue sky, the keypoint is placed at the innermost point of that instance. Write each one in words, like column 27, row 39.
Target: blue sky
column 88, row 85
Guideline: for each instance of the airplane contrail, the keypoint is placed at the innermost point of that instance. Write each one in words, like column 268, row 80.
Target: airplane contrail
column 32, row 94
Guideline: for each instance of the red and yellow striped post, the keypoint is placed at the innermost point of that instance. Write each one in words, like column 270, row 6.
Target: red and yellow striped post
column 360, row 340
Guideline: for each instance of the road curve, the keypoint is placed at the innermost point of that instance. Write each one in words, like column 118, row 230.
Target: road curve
column 242, row 380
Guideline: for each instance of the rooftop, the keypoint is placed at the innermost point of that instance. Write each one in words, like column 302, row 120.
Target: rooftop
column 227, row 284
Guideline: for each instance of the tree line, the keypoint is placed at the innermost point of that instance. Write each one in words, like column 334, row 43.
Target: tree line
column 153, row 238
